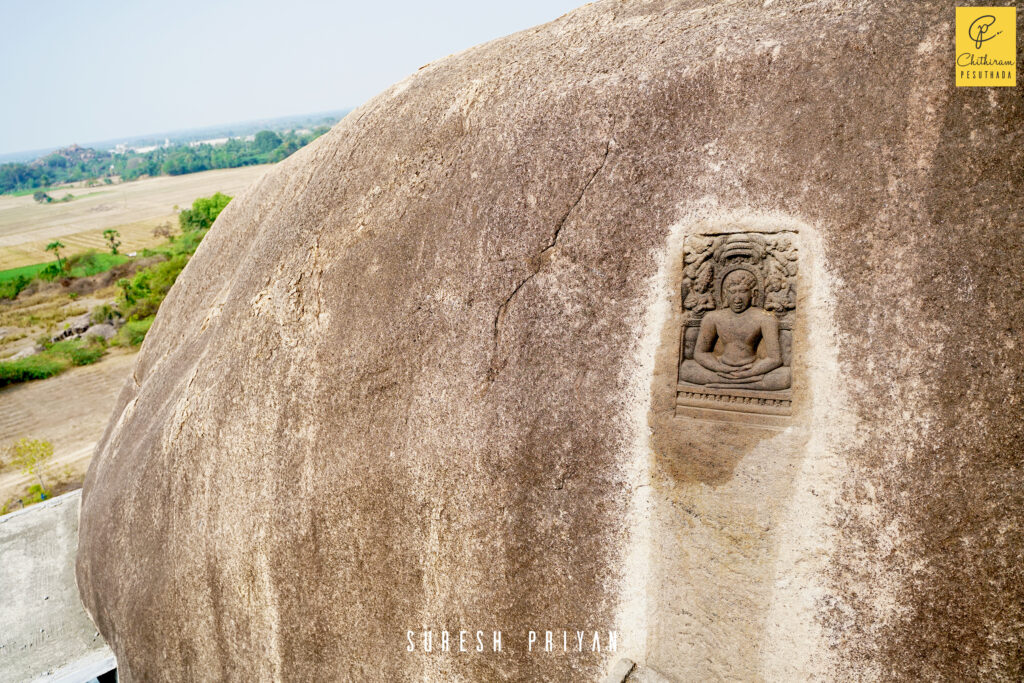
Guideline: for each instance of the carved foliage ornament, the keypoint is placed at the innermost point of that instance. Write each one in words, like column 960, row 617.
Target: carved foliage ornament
column 707, row 259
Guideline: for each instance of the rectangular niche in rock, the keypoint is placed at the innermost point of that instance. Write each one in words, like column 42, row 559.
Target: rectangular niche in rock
column 739, row 305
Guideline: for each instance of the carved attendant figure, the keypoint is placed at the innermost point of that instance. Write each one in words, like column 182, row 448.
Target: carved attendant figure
column 748, row 338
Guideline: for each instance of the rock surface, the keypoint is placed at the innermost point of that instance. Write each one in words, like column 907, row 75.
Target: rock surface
column 420, row 376
column 104, row 330
column 73, row 328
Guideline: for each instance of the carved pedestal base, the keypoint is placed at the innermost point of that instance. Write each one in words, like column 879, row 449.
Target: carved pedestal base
column 733, row 405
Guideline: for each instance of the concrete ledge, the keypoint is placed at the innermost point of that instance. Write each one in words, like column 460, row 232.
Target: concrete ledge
column 45, row 633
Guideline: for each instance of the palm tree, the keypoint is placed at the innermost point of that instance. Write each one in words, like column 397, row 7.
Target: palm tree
column 55, row 247
column 111, row 235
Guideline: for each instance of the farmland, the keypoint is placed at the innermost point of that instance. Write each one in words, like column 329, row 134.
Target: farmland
column 134, row 209
column 70, row 411
column 69, row 408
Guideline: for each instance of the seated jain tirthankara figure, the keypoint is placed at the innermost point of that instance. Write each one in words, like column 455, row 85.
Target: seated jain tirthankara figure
column 738, row 344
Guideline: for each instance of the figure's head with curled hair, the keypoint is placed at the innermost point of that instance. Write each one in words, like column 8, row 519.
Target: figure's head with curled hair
column 738, row 289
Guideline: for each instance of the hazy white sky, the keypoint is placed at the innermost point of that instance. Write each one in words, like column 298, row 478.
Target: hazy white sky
column 88, row 71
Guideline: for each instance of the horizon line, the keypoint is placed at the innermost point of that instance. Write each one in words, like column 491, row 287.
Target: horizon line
column 166, row 133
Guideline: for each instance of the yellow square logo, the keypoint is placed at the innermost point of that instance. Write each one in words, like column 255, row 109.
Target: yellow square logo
column 986, row 46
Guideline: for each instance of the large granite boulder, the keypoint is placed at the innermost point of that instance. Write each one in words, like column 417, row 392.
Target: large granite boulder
column 695, row 322
column 104, row 331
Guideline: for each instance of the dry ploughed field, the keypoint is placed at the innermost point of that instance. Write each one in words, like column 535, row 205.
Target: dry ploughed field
column 70, row 411
column 134, row 209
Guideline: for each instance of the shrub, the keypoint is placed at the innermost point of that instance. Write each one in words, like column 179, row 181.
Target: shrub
column 186, row 243
column 143, row 294
column 55, row 359
column 145, row 308
column 50, row 272
column 37, row 366
column 93, row 262
column 34, row 494
column 189, row 242
column 203, row 213
column 79, row 352
column 10, row 289
column 104, row 313
column 133, row 332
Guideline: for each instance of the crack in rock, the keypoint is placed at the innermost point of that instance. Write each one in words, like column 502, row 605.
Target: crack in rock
column 537, row 262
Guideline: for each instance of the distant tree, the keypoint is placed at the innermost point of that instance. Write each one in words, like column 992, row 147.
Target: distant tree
column 266, row 141
column 78, row 163
column 56, row 161
column 111, row 236
column 41, row 197
column 55, row 247
column 203, row 213
column 32, row 457
column 18, row 177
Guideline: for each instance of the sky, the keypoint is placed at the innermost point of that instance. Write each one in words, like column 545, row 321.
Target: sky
column 78, row 72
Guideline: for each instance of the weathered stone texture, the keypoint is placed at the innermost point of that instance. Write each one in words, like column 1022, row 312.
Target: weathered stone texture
column 420, row 375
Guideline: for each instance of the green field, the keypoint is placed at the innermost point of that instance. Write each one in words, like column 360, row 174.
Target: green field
column 25, row 193
column 94, row 262
column 82, row 265
column 26, row 271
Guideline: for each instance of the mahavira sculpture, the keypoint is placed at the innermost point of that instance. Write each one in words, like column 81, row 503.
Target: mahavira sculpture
column 744, row 332
column 738, row 299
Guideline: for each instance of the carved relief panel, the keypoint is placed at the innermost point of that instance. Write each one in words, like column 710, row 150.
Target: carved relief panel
column 739, row 306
